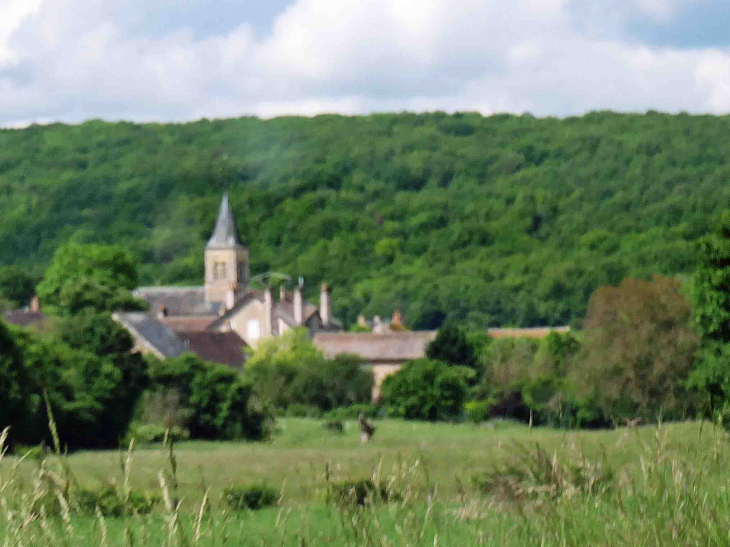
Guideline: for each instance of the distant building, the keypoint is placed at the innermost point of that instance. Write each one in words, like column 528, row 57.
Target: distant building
column 219, row 318
column 30, row 316
column 386, row 351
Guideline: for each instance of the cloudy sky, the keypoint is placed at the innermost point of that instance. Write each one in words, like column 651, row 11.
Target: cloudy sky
column 173, row 60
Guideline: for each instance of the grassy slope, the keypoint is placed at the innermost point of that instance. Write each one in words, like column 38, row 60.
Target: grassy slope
column 670, row 487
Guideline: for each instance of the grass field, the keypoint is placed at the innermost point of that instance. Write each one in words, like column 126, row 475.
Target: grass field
column 664, row 485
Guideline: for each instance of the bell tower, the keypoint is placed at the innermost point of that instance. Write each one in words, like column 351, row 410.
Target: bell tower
column 226, row 259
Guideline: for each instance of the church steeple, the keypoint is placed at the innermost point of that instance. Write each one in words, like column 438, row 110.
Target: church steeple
column 226, row 259
column 225, row 235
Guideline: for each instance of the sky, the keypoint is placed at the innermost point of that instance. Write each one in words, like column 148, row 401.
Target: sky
column 178, row 60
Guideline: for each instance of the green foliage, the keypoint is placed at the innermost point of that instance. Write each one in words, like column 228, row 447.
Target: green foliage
column 711, row 287
column 91, row 380
column 111, row 504
column 452, row 346
column 489, row 221
column 89, row 276
column 289, row 370
column 14, row 384
column 220, row 401
column 477, row 411
column 711, row 306
column 424, row 390
column 639, row 350
column 251, row 497
column 16, row 286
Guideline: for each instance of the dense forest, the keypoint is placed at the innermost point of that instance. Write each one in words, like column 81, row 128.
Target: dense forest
column 499, row 220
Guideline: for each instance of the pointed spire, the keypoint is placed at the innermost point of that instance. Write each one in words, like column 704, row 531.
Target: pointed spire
column 225, row 234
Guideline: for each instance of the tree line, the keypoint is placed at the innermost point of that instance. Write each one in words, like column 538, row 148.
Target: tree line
column 650, row 350
column 489, row 221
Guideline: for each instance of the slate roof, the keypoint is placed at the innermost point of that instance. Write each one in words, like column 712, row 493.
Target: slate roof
column 388, row 347
column 178, row 300
column 22, row 318
column 220, row 347
column 225, row 235
column 151, row 331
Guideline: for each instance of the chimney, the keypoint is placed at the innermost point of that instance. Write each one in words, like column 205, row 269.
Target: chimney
column 267, row 328
column 231, row 296
column 161, row 311
column 361, row 321
column 35, row 305
column 397, row 319
column 325, row 305
column 298, row 306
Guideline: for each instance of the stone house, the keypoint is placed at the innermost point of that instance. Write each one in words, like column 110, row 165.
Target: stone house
column 219, row 318
column 385, row 352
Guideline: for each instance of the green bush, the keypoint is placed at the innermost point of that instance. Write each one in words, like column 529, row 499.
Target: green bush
column 111, row 504
column 252, row 497
column 425, row 390
column 218, row 399
column 477, row 411
column 361, row 492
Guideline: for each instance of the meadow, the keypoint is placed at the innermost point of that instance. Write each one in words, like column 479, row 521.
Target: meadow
column 496, row 483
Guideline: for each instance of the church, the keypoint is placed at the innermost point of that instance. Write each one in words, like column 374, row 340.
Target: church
column 216, row 320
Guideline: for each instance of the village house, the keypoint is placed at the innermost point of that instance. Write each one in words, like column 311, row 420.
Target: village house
column 387, row 350
column 218, row 319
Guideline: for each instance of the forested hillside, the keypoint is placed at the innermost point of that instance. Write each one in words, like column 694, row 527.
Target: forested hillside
column 501, row 220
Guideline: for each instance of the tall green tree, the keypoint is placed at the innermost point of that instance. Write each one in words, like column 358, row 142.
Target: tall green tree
column 13, row 381
column 711, row 288
column 16, row 286
column 99, row 277
column 711, row 299
column 453, row 346
column 639, row 350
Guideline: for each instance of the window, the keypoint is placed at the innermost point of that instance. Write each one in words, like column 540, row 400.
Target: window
column 219, row 270
column 241, row 273
column 253, row 329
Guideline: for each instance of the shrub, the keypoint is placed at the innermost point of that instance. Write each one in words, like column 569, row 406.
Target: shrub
column 477, row 411
column 361, row 492
column 218, row 398
column 111, row 504
column 424, row 390
column 531, row 472
column 253, row 497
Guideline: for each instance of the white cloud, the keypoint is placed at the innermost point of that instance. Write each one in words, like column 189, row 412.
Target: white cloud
column 74, row 59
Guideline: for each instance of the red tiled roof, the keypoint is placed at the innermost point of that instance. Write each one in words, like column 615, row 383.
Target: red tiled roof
column 22, row 318
column 219, row 347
